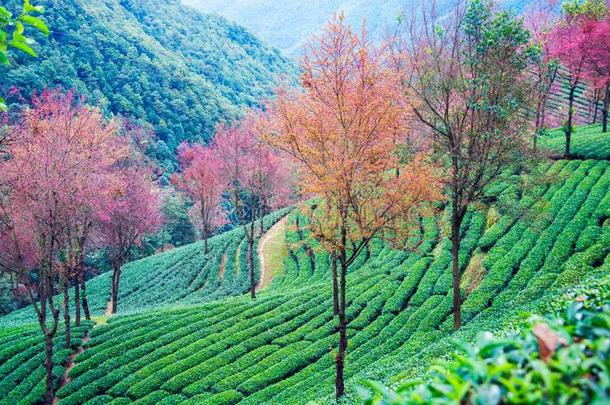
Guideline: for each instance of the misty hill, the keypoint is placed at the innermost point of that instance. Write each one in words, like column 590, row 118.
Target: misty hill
column 288, row 24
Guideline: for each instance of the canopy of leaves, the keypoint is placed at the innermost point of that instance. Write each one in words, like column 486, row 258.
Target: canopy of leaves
column 13, row 36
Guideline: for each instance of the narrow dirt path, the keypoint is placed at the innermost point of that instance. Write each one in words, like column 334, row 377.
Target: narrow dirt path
column 108, row 311
column 65, row 380
column 223, row 266
column 269, row 242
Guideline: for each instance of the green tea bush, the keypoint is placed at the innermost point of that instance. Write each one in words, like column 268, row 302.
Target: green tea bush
column 568, row 362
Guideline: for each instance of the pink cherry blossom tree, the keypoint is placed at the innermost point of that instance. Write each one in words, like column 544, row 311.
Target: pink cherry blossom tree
column 203, row 181
column 272, row 180
column 57, row 148
column 597, row 68
column 539, row 19
column 234, row 145
column 256, row 178
column 577, row 40
column 131, row 210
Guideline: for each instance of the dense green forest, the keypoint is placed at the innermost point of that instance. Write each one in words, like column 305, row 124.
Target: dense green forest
column 152, row 61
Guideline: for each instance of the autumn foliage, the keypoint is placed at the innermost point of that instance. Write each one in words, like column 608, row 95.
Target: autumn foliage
column 341, row 131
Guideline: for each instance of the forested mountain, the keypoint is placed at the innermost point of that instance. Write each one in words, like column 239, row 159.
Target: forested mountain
column 154, row 61
column 288, row 24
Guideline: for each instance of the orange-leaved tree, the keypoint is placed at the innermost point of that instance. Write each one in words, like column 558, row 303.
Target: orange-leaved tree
column 341, row 130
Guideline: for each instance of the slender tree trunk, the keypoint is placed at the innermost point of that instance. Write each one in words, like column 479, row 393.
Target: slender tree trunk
column 66, row 288
column 566, row 154
column 333, row 259
column 45, row 298
column 340, row 359
column 83, row 286
column 543, row 111
column 595, row 105
column 537, row 128
column 261, row 214
column 42, row 306
column 48, row 365
column 115, row 286
column 456, row 222
column 205, row 227
column 205, row 239
column 251, row 257
column 76, row 300
column 605, row 109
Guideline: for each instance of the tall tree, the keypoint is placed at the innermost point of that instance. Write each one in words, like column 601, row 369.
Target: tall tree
column 55, row 150
column 234, row 146
column 131, row 211
column 570, row 43
column 203, row 181
column 272, row 179
column 597, row 68
column 465, row 78
column 340, row 131
column 96, row 148
column 253, row 176
column 539, row 20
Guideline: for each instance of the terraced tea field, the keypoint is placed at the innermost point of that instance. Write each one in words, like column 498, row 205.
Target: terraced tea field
column 180, row 276
column 587, row 142
column 180, row 336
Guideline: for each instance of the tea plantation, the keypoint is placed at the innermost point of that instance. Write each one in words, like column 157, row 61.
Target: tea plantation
column 180, row 276
column 587, row 142
column 185, row 333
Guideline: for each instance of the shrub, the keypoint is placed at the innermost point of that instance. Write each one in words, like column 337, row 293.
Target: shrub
column 564, row 363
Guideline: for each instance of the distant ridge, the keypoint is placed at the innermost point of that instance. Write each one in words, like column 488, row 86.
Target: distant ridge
column 288, row 24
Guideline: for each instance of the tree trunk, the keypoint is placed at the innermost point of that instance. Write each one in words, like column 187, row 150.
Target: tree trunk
column 76, row 300
column 340, row 359
column 595, row 105
column 333, row 259
column 605, row 109
column 66, row 288
column 566, row 154
column 205, row 239
column 537, row 128
column 251, row 257
column 48, row 365
column 543, row 111
column 45, row 298
column 115, row 287
column 261, row 225
column 456, row 222
column 83, row 286
column 205, row 228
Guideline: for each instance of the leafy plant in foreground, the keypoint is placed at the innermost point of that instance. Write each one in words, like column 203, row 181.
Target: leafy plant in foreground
column 566, row 362
column 12, row 33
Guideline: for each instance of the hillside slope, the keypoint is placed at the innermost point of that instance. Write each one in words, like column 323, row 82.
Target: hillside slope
column 151, row 60
column 588, row 142
column 288, row 24
column 278, row 349
column 180, row 276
